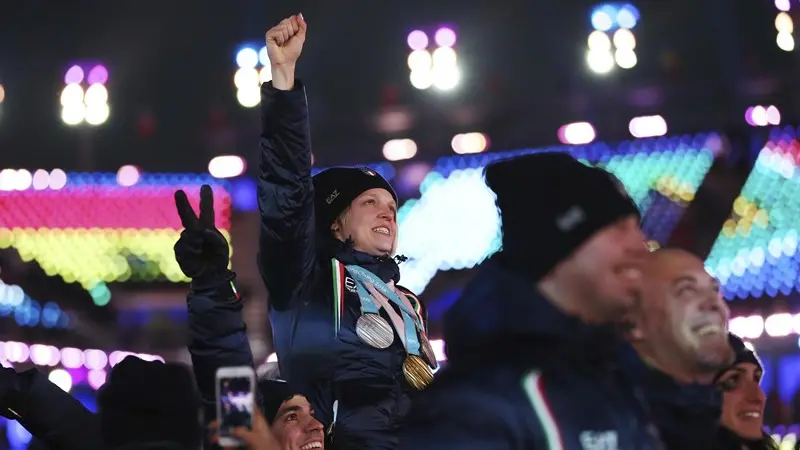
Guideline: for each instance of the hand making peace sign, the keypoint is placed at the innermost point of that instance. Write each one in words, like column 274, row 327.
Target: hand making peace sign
column 202, row 250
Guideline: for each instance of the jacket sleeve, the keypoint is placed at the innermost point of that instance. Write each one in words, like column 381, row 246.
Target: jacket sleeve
column 285, row 195
column 217, row 336
column 53, row 416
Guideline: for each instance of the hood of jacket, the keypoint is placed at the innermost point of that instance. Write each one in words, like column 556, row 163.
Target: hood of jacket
column 683, row 412
column 502, row 315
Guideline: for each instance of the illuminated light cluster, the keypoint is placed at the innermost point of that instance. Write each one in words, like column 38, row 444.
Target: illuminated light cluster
column 2, row 97
column 784, row 26
column 227, row 166
column 71, row 365
column 399, row 149
column 92, row 231
column 612, row 42
column 756, row 253
column 775, row 325
column 439, row 68
column 22, row 179
column 469, row 143
column 647, row 126
column 253, row 69
column 84, row 98
column 762, row 116
column 578, row 133
column 786, row 436
column 27, row 312
column 662, row 176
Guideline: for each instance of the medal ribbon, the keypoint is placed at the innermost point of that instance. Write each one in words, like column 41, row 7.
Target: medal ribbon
column 397, row 322
column 410, row 318
column 338, row 294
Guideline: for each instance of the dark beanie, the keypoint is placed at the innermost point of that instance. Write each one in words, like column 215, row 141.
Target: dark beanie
column 149, row 401
column 337, row 187
column 743, row 354
column 550, row 204
column 274, row 393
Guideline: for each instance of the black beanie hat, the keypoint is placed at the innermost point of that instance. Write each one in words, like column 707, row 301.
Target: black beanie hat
column 550, row 204
column 149, row 401
column 743, row 354
column 274, row 392
column 337, row 187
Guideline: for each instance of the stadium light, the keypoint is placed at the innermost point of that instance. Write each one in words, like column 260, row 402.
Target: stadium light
column 84, row 98
column 647, row 126
column 227, row 166
column 612, row 42
column 253, row 69
column 578, row 133
column 399, row 149
column 469, row 143
column 439, row 68
column 762, row 116
column 784, row 24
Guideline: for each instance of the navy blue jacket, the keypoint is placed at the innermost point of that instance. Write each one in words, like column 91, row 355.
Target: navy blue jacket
column 523, row 375
column 51, row 415
column 295, row 263
column 217, row 335
column 687, row 415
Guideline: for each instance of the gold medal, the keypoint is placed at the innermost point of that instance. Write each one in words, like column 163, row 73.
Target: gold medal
column 426, row 350
column 417, row 372
column 374, row 331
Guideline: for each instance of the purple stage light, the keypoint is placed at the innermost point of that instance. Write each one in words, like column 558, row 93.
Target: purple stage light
column 417, row 40
column 74, row 75
column 98, row 75
column 445, row 37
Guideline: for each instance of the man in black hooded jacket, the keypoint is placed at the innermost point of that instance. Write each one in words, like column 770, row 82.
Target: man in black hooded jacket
column 532, row 344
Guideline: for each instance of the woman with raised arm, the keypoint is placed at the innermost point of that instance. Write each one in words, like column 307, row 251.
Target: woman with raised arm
column 345, row 333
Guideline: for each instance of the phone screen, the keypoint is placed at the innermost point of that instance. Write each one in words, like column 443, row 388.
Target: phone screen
column 236, row 403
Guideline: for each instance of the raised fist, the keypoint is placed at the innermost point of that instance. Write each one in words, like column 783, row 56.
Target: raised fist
column 285, row 40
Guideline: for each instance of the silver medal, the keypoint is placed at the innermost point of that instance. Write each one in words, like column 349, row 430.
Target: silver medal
column 374, row 331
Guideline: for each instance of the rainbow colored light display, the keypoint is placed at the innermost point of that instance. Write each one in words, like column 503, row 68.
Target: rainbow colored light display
column 756, row 251
column 454, row 224
column 90, row 230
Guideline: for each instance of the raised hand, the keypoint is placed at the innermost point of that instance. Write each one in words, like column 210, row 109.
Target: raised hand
column 202, row 250
column 285, row 41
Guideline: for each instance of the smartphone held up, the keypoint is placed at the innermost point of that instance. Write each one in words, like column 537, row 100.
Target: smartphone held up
column 235, row 401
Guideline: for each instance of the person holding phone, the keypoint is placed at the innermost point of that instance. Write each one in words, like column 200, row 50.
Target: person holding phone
column 345, row 332
column 236, row 388
column 288, row 422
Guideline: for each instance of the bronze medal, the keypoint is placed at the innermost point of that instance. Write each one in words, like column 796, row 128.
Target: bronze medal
column 426, row 350
column 374, row 331
column 417, row 372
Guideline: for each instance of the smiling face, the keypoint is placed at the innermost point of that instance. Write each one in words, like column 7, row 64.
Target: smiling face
column 682, row 319
column 295, row 426
column 743, row 401
column 604, row 272
column 371, row 222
